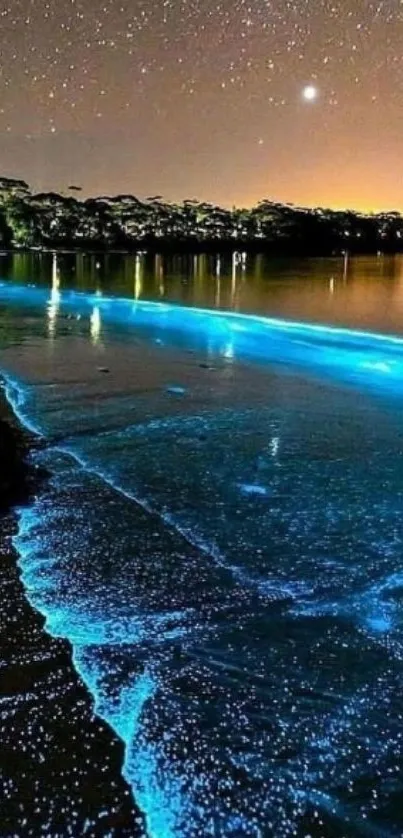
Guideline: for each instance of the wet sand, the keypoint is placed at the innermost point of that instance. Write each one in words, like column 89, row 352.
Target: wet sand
column 60, row 765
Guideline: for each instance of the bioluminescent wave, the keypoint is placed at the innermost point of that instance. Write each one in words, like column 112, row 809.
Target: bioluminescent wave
column 221, row 543
column 364, row 357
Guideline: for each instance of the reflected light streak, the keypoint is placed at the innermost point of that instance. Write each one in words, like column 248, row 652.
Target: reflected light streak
column 138, row 278
column 229, row 351
column 161, row 286
column 54, row 299
column 233, row 278
column 95, row 325
column 218, row 292
column 345, row 267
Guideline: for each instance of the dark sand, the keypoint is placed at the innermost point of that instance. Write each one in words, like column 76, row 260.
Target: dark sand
column 60, row 766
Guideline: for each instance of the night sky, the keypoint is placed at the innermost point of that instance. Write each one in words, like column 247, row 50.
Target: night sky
column 232, row 101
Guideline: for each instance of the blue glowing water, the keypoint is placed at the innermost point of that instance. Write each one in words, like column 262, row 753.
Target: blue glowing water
column 221, row 542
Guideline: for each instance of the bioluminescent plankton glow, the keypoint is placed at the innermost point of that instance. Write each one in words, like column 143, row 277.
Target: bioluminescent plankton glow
column 347, row 353
column 220, row 541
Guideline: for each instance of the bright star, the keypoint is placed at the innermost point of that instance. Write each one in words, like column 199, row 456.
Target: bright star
column 310, row 93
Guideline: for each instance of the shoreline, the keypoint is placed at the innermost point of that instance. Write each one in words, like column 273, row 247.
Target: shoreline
column 215, row 247
column 60, row 764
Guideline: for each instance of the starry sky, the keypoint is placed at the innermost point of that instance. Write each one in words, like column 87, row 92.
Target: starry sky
column 223, row 100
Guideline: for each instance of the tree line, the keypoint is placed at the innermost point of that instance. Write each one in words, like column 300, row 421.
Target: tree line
column 124, row 222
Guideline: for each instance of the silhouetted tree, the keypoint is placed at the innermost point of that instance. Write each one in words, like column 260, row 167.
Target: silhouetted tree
column 125, row 221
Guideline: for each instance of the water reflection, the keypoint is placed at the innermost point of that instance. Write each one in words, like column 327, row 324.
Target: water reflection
column 95, row 325
column 54, row 299
column 359, row 292
column 138, row 278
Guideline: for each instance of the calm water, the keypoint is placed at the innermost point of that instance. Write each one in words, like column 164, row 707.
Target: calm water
column 221, row 540
column 362, row 292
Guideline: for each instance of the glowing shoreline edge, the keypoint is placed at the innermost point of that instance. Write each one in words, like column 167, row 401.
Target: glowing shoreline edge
column 147, row 795
column 350, row 355
column 100, row 300
column 372, row 357
column 160, row 805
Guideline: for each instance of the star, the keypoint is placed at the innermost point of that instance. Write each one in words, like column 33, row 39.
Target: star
column 310, row 93
column 167, row 71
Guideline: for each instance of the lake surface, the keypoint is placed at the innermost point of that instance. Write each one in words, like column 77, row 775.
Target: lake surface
column 221, row 539
column 364, row 293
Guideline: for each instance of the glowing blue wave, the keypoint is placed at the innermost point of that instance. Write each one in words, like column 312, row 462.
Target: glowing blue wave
column 235, row 717
column 94, row 634
column 365, row 357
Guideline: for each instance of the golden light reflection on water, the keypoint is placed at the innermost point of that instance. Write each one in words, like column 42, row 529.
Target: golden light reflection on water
column 138, row 277
column 54, row 299
column 362, row 292
column 95, row 325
